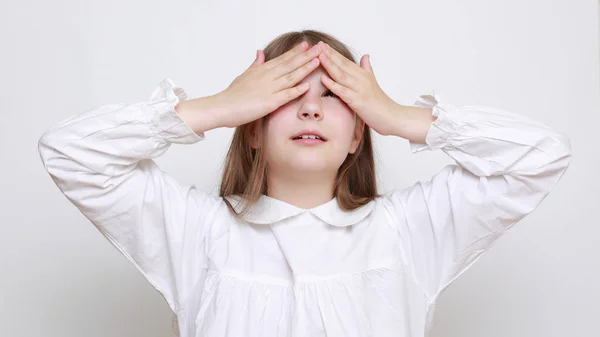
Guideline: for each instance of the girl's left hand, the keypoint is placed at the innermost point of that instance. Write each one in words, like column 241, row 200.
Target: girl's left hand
column 358, row 88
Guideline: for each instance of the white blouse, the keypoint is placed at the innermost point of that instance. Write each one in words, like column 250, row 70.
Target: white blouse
column 287, row 271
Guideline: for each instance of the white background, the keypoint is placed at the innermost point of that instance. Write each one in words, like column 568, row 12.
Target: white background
column 60, row 278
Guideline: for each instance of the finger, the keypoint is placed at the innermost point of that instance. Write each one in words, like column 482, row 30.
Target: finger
column 301, row 47
column 341, row 91
column 365, row 63
column 285, row 68
column 297, row 75
column 338, row 74
column 259, row 59
column 340, row 60
column 286, row 95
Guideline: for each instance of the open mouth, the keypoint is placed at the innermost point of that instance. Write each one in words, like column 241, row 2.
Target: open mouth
column 309, row 137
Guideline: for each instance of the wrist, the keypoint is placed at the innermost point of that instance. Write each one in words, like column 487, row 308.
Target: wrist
column 398, row 119
column 201, row 114
column 411, row 122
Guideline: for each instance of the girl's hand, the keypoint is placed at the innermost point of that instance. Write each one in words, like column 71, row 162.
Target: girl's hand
column 357, row 86
column 264, row 87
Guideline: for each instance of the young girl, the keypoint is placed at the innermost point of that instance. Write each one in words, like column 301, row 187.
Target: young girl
column 299, row 243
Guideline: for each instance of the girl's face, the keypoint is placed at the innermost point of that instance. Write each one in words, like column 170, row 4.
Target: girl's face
column 317, row 112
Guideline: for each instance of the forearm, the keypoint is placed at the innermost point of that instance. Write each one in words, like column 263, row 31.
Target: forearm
column 412, row 122
column 204, row 113
column 484, row 140
column 110, row 140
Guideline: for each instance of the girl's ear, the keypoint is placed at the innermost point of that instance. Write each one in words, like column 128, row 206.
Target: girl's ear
column 358, row 134
column 254, row 133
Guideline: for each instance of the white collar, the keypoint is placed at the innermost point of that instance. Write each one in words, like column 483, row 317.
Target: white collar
column 269, row 210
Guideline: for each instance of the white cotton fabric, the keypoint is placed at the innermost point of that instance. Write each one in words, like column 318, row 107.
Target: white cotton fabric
column 287, row 271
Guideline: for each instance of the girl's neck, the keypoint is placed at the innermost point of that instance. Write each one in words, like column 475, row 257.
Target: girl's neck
column 302, row 190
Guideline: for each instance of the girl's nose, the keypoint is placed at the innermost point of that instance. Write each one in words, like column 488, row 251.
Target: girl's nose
column 310, row 111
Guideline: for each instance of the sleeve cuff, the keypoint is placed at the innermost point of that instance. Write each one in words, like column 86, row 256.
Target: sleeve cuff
column 167, row 123
column 441, row 129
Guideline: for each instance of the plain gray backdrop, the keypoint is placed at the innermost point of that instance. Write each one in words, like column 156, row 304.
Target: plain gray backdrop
column 60, row 278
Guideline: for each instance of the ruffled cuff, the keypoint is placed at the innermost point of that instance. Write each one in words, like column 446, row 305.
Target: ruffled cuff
column 165, row 121
column 442, row 129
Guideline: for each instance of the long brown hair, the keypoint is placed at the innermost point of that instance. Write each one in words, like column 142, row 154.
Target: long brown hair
column 245, row 171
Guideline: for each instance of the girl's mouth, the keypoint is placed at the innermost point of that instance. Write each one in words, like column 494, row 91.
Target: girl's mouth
column 309, row 137
column 308, row 140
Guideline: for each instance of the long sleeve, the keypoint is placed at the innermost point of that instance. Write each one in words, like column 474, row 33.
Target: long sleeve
column 505, row 165
column 101, row 160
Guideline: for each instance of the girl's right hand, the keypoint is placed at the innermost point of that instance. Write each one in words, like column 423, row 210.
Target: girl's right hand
column 264, row 87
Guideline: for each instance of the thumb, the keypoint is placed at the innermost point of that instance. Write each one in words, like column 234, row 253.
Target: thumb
column 259, row 59
column 365, row 63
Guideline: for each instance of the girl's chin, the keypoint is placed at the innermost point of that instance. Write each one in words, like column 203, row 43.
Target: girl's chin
column 308, row 164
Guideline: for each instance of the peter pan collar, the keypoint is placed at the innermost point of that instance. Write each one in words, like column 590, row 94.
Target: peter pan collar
column 269, row 210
